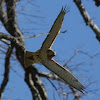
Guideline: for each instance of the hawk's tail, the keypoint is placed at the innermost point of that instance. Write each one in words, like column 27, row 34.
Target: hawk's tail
column 28, row 59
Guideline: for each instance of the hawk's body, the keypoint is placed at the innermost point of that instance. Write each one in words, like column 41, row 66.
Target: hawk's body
column 45, row 55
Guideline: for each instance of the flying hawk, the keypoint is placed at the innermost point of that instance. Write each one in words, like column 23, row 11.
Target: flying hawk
column 45, row 55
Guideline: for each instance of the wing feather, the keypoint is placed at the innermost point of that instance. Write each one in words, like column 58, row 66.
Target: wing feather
column 63, row 73
column 54, row 30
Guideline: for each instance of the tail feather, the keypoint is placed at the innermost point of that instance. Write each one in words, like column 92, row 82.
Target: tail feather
column 28, row 58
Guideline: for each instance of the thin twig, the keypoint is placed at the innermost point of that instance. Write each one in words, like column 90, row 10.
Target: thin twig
column 6, row 73
column 11, row 38
column 87, row 18
column 35, row 35
column 75, row 93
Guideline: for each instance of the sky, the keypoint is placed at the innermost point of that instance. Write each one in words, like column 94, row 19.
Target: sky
column 36, row 18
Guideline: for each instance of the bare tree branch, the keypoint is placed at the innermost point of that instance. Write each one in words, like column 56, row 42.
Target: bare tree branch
column 7, row 37
column 13, row 28
column 11, row 38
column 87, row 19
column 55, row 77
column 6, row 74
column 75, row 93
column 3, row 15
column 97, row 2
column 37, row 89
column 5, row 41
column 31, row 77
column 49, row 75
column 35, row 35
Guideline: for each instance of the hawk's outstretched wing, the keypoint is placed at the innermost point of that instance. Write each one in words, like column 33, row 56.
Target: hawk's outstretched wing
column 54, row 30
column 63, row 73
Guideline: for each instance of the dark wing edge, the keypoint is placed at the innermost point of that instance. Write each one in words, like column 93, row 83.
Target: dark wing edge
column 53, row 33
column 64, row 74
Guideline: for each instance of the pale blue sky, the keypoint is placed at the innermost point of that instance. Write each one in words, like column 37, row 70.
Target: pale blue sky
column 78, row 37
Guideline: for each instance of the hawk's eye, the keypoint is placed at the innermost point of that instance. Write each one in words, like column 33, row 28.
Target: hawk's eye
column 51, row 53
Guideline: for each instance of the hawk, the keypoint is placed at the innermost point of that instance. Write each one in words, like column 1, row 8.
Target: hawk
column 45, row 55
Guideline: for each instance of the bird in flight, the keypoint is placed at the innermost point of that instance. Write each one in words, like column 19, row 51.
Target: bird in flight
column 45, row 55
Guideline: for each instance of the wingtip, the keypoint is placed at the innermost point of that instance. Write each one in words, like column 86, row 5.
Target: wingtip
column 65, row 9
column 83, row 90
